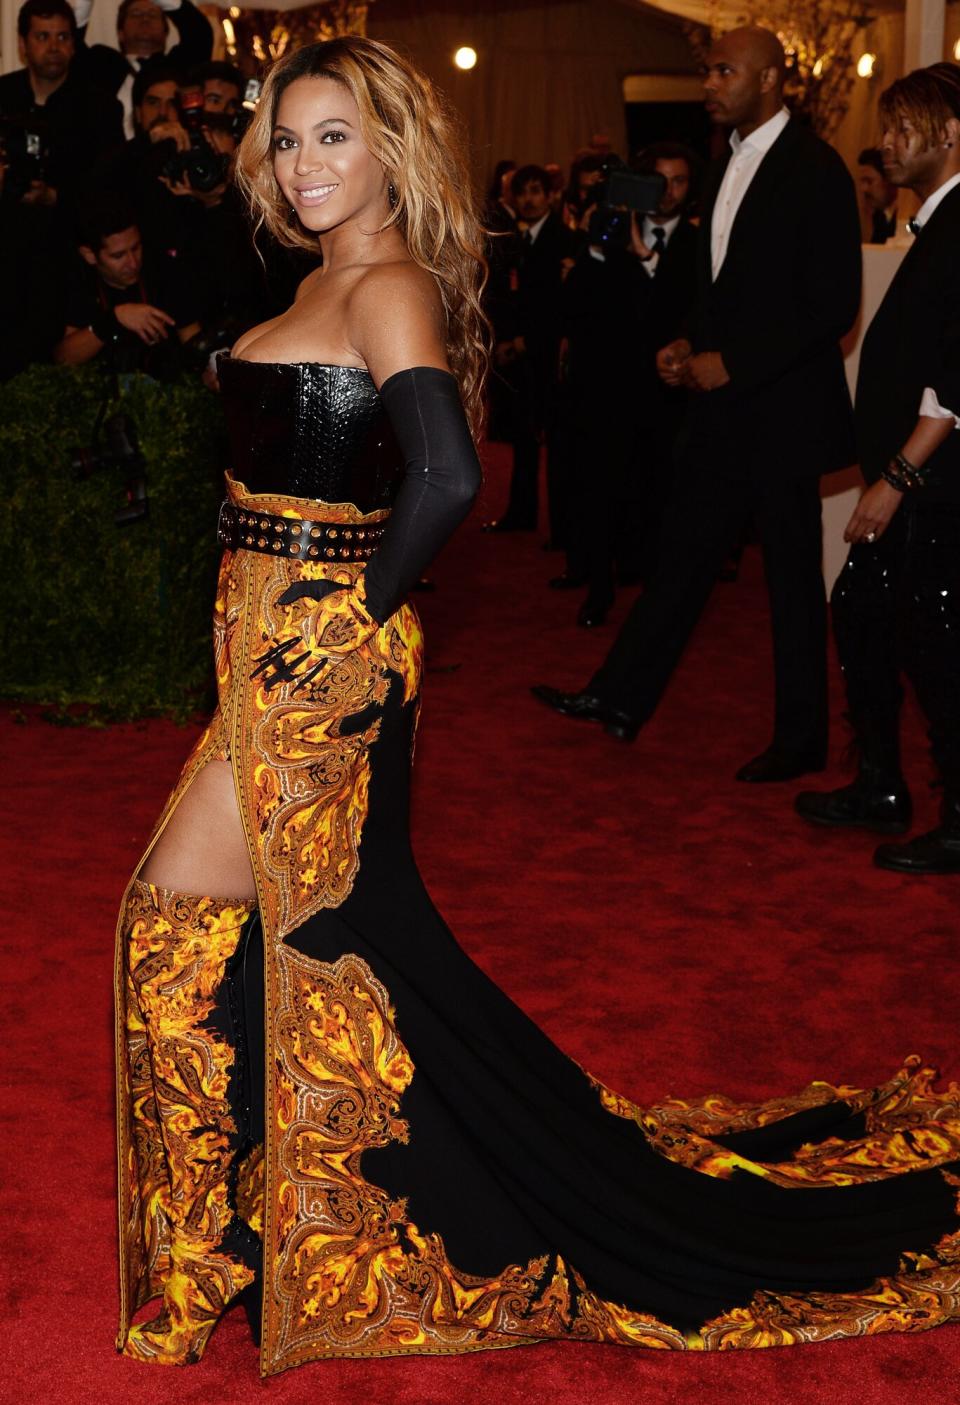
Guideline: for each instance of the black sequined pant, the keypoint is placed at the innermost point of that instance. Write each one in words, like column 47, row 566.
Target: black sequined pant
column 896, row 608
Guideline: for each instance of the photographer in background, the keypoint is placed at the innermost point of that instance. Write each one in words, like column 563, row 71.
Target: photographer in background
column 223, row 86
column 627, row 289
column 33, row 256
column 207, row 226
column 586, row 170
column 527, row 349
column 121, row 306
column 148, row 171
column 134, row 169
column 61, row 121
column 142, row 27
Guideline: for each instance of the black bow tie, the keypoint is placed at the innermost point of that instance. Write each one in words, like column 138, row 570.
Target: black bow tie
column 913, row 227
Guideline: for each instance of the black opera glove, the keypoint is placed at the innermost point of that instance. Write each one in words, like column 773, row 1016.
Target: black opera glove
column 336, row 624
column 441, row 478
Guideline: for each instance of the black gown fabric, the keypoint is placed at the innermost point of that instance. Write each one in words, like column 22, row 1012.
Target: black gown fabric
column 497, row 1194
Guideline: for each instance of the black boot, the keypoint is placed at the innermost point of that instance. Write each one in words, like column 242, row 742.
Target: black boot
column 877, row 800
column 938, row 851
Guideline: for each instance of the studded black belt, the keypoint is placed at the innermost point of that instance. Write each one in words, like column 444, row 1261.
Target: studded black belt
column 239, row 529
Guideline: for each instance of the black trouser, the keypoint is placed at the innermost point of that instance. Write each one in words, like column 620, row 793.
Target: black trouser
column 896, row 605
column 702, row 522
column 532, row 381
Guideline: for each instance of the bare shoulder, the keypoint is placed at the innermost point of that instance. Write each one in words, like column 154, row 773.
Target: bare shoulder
column 400, row 287
column 395, row 318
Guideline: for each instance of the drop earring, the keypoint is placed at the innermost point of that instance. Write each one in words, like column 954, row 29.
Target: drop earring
column 392, row 194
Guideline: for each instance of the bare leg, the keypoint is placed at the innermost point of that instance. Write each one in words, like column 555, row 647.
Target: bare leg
column 203, row 848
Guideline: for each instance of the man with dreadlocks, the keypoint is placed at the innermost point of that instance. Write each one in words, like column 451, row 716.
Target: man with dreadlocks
column 896, row 604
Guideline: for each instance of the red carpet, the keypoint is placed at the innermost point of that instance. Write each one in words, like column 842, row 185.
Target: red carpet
column 672, row 930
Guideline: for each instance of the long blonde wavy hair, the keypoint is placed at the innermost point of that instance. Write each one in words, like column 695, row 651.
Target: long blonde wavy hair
column 410, row 130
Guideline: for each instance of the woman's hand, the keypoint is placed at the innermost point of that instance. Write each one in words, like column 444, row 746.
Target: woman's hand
column 327, row 620
column 873, row 513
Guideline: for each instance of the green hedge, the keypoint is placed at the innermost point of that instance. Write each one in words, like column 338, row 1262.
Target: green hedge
column 116, row 618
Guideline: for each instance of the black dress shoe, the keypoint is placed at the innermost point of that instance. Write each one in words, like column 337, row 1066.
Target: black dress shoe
column 589, row 709
column 777, row 765
column 870, row 802
column 507, row 524
column 935, row 852
column 565, row 581
column 590, row 616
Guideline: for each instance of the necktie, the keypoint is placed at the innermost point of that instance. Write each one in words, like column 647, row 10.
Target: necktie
column 659, row 240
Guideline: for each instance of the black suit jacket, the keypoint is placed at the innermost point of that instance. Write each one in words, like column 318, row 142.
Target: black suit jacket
column 663, row 302
column 787, row 291
column 914, row 342
column 108, row 68
column 79, row 121
column 539, row 281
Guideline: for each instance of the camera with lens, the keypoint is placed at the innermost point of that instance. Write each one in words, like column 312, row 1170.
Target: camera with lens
column 24, row 151
column 618, row 195
column 200, row 167
column 114, row 449
column 217, row 335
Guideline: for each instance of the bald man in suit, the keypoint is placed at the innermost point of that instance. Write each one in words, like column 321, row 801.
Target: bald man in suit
column 769, row 410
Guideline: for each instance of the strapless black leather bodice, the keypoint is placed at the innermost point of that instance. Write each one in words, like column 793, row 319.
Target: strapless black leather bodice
column 309, row 431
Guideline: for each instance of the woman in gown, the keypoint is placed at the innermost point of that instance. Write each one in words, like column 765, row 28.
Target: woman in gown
column 324, row 1107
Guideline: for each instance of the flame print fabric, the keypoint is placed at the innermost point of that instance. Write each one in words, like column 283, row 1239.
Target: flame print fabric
column 182, row 1126
column 350, row 1269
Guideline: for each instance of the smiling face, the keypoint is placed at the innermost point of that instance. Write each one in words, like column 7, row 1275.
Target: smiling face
column 320, row 161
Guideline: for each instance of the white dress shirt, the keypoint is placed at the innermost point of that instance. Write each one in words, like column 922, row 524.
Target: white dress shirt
column 929, row 404
column 532, row 230
column 748, row 153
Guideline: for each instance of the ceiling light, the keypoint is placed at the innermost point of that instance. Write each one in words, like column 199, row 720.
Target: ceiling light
column 465, row 57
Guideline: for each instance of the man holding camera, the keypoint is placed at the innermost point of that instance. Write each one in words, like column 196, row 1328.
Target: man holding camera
column 62, row 123
column 617, row 300
column 768, row 409
column 135, row 315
